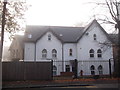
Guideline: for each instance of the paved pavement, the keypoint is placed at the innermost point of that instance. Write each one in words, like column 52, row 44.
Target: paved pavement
column 73, row 83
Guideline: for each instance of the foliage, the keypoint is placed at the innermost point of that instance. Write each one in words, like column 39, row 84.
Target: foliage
column 15, row 11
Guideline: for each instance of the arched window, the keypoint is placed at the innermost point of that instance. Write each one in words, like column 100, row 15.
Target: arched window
column 54, row 53
column 70, row 52
column 99, row 53
column 54, row 70
column 92, row 68
column 100, row 69
column 94, row 37
column 44, row 53
column 91, row 53
column 49, row 37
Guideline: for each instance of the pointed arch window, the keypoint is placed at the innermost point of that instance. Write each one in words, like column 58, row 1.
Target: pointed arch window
column 92, row 68
column 54, row 53
column 99, row 53
column 95, row 37
column 70, row 52
column 44, row 53
column 91, row 53
column 54, row 70
column 100, row 70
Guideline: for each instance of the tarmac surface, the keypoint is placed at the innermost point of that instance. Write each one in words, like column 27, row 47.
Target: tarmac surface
column 108, row 83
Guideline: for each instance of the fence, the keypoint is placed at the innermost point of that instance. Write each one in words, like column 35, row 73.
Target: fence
column 87, row 67
column 27, row 70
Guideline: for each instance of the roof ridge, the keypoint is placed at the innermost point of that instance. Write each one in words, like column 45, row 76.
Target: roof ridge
column 54, row 26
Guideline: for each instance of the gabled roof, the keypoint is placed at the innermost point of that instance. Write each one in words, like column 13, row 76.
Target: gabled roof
column 65, row 34
column 95, row 22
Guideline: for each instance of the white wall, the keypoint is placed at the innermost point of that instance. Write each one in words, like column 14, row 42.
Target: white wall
column 87, row 42
column 80, row 51
column 44, row 43
column 29, row 52
column 85, row 66
column 54, row 43
column 66, row 48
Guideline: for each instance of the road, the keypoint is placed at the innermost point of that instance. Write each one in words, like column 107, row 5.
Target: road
column 88, row 87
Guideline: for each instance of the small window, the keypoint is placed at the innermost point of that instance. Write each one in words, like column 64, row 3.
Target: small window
column 91, row 53
column 54, row 53
column 70, row 52
column 95, row 37
column 49, row 37
column 67, row 68
column 92, row 68
column 99, row 53
column 44, row 53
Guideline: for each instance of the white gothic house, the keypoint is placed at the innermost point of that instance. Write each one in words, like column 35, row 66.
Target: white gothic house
column 90, row 45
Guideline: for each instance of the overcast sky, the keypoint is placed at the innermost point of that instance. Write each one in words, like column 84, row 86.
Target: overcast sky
column 61, row 12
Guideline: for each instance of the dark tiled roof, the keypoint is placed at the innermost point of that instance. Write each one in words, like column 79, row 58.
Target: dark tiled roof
column 65, row 34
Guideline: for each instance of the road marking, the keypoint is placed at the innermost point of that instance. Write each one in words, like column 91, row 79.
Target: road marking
column 91, row 86
column 80, row 87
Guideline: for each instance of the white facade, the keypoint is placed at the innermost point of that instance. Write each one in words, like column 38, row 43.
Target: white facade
column 65, row 52
column 49, row 45
column 29, row 52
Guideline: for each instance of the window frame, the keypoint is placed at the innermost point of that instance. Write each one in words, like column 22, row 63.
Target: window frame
column 49, row 37
column 91, row 52
column 54, row 53
column 54, row 70
column 92, row 69
column 99, row 53
column 44, row 53
column 70, row 52
column 94, row 36
column 100, row 69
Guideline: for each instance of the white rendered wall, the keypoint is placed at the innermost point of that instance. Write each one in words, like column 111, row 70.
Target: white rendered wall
column 86, row 43
column 49, row 45
column 44, row 43
column 67, row 57
column 29, row 52
column 67, row 47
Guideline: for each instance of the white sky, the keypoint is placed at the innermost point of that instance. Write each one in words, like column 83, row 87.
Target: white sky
column 60, row 12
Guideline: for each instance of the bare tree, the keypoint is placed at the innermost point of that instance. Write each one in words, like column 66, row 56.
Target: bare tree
column 114, row 10
column 113, row 7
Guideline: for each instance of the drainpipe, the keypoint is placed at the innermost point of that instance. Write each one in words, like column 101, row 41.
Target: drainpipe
column 35, row 54
column 62, row 58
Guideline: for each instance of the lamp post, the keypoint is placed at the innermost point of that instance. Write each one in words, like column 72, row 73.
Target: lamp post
column 2, row 28
column 110, row 67
column 2, row 39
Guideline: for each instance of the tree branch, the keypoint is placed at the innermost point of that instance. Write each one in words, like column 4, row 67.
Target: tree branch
column 110, row 10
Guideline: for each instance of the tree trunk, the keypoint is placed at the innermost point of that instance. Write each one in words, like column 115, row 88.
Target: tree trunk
column 118, row 61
